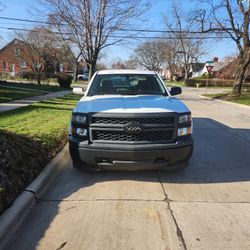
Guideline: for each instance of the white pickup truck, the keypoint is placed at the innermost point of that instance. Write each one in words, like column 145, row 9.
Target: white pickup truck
column 128, row 120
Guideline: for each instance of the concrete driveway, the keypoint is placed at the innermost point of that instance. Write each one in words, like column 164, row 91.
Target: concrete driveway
column 206, row 206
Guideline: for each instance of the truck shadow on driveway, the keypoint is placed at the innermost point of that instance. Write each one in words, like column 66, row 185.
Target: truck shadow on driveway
column 221, row 155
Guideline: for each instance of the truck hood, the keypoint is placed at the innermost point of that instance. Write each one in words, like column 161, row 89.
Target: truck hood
column 130, row 104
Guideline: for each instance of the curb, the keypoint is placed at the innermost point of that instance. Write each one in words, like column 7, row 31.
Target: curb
column 221, row 101
column 13, row 217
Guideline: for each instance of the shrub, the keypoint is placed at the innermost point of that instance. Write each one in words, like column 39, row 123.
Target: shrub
column 28, row 75
column 204, row 76
column 64, row 80
column 32, row 75
column 19, row 165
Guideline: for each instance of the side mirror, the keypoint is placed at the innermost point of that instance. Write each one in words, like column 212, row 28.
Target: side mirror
column 175, row 91
column 78, row 91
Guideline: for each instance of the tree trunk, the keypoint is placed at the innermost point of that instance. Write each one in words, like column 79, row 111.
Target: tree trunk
column 244, row 61
column 187, row 70
column 171, row 76
column 171, row 71
column 92, row 68
column 39, row 78
column 75, row 70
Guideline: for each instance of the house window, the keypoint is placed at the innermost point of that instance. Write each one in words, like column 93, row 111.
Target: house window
column 23, row 65
column 4, row 65
column 17, row 52
column 61, row 67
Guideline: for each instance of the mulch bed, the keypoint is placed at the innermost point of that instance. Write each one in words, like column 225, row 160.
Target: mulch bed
column 21, row 160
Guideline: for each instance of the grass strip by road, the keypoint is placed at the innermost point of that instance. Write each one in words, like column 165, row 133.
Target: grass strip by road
column 33, row 86
column 9, row 94
column 30, row 137
column 244, row 98
column 175, row 83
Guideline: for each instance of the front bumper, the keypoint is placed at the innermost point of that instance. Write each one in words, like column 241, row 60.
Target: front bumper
column 131, row 157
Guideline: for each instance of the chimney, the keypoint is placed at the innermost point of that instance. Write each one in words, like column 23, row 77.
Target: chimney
column 216, row 59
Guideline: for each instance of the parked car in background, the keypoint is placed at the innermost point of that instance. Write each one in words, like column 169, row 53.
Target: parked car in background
column 178, row 78
column 84, row 77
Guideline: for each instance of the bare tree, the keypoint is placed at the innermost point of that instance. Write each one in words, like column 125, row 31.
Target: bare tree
column 172, row 55
column 189, row 46
column 38, row 49
column 228, row 59
column 131, row 63
column 151, row 54
column 76, row 56
column 101, row 66
column 229, row 17
column 63, row 54
column 118, row 63
column 92, row 24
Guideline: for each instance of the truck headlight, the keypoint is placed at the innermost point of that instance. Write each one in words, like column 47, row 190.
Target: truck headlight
column 184, row 131
column 79, row 118
column 81, row 132
column 184, row 118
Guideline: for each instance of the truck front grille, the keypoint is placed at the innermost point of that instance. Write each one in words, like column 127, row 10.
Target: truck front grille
column 146, row 136
column 110, row 128
column 123, row 121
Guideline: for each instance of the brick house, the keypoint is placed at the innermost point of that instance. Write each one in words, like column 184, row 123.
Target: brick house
column 13, row 61
column 10, row 62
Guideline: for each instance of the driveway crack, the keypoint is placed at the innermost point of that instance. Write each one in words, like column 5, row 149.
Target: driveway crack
column 178, row 229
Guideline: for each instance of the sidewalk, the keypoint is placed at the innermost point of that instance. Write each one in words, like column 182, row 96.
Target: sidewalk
column 6, row 106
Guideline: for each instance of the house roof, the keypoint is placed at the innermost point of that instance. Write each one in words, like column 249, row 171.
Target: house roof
column 218, row 66
column 196, row 67
column 8, row 44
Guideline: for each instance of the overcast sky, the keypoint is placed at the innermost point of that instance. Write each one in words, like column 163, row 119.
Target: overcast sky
column 153, row 20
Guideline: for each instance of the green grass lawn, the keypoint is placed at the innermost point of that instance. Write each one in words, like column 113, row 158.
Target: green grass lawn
column 45, row 121
column 174, row 83
column 8, row 94
column 33, row 86
column 243, row 99
column 8, row 91
column 30, row 137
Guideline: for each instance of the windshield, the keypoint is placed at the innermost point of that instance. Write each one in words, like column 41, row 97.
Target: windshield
column 129, row 84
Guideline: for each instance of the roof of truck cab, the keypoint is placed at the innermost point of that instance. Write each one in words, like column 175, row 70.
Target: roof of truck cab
column 125, row 71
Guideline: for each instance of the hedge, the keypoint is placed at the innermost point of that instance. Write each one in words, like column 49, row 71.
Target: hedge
column 211, row 82
column 64, row 80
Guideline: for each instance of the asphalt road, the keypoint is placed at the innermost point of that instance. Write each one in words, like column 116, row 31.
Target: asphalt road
column 206, row 206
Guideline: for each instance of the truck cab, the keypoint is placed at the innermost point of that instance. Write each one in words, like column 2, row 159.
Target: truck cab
column 129, row 120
